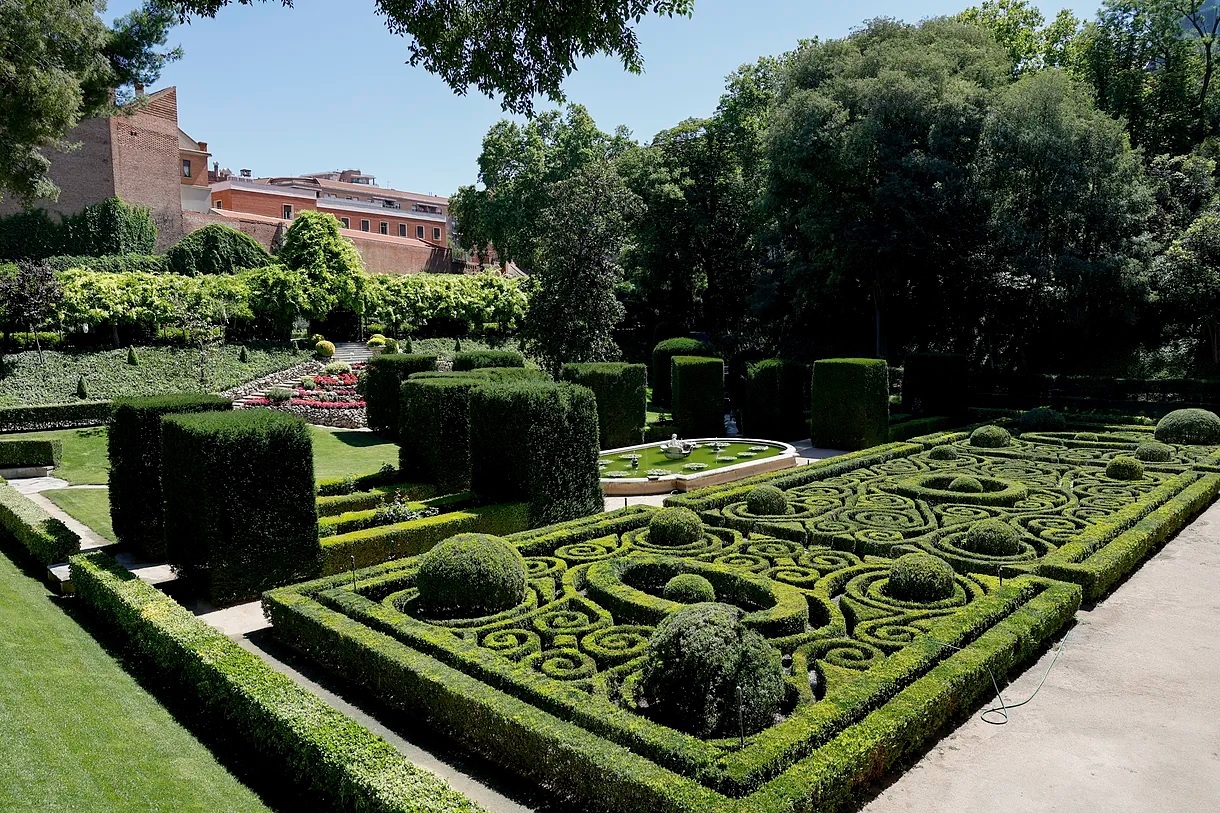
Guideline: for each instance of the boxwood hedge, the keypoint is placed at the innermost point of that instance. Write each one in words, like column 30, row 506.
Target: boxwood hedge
column 134, row 446
column 621, row 393
column 659, row 372
column 851, row 406
column 776, row 393
column 46, row 539
column 479, row 359
column 382, row 387
column 17, row 453
column 698, row 396
column 434, row 430
column 54, row 416
column 239, row 501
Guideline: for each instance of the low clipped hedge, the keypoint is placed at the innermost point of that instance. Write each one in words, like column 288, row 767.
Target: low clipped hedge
column 480, row 359
column 382, row 387
column 15, row 454
column 341, row 763
column 134, row 448
column 936, row 384
column 622, row 399
column 698, row 396
column 54, row 416
column 662, row 356
column 373, row 546
column 850, row 404
column 46, row 539
column 329, row 505
column 434, row 430
column 776, row 394
column 536, row 441
column 238, row 493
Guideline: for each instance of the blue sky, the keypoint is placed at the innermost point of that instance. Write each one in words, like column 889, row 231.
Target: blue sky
column 324, row 86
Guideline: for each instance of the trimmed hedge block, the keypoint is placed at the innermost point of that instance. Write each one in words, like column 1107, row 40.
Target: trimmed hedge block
column 698, row 396
column 134, row 446
column 54, row 416
column 47, row 539
column 344, row 765
column 662, row 355
column 16, row 454
column 622, row 399
column 776, row 394
column 382, row 387
column 536, row 442
column 434, row 430
column 239, row 501
column 936, row 384
column 480, row 359
column 851, row 406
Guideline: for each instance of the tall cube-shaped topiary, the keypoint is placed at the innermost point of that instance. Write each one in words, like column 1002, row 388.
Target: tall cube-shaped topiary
column 134, row 447
column 936, row 384
column 851, row 404
column 383, row 385
column 481, row 359
column 434, row 430
column 238, row 494
column 622, row 408
column 776, row 394
column 662, row 355
column 698, row 396
column 536, row 441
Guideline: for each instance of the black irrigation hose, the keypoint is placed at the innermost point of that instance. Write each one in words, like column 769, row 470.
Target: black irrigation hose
column 1000, row 711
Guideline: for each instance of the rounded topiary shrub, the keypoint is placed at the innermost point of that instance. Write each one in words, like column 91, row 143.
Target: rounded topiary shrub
column 1153, row 452
column 1089, row 436
column 1189, row 426
column 1042, row 419
column 706, row 673
column 920, row 577
column 1124, row 467
column 990, row 437
column 943, row 453
column 993, row 537
column 766, row 501
column 675, row 527
column 966, row 485
column 471, row 575
column 324, row 349
column 689, row 588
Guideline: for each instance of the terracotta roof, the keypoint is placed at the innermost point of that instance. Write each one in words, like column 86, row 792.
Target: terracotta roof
column 340, row 186
column 363, row 235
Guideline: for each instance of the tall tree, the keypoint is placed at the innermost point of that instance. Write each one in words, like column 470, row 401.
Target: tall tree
column 29, row 296
column 59, row 64
column 1187, row 282
column 1016, row 25
column 573, row 309
column 518, row 49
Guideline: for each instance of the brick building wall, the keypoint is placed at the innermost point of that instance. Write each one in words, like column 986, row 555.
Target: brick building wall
column 84, row 175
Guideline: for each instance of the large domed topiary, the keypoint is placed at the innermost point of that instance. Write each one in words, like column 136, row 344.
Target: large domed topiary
column 766, row 501
column 943, row 453
column 1042, row 419
column 920, row 577
column 1153, row 452
column 471, row 575
column 689, row 588
column 990, row 437
column 965, row 484
column 705, row 672
column 675, row 528
column 993, row 537
column 1189, row 426
column 1124, row 467
column 1086, row 436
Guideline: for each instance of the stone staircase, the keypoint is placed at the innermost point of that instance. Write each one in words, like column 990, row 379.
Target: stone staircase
column 352, row 352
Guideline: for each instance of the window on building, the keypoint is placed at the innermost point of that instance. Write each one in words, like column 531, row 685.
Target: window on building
column 385, row 227
column 436, row 233
column 419, row 232
column 346, row 223
column 218, row 204
column 186, row 167
column 402, row 229
column 288, row 211
column 364, row 225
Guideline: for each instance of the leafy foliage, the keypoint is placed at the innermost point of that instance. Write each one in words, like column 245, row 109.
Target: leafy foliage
column 850, row 403
column 1193, row 426
column 920, row 577
column 698, row 396
column 216, row 249
column 471, row 575
column 620, row 390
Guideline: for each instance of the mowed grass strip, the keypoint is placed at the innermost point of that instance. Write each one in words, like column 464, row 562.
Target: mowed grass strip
column 344, row 452
column 78, row 733
column 90, row 506
column 85, row 461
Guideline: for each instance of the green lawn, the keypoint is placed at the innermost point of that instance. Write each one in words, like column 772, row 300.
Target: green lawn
column 341, row 452
column 91, row 506
column 78, row 733
column 85, row 461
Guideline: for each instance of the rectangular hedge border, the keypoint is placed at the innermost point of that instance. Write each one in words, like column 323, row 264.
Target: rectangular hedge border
column 363, row 500
column 19, row 453
column 382, row 379
column 927, row 684
column 697, row 390
column 485, row 359
column 54, row 416
column 621, row 393
column 346, row 765
column 47, row 539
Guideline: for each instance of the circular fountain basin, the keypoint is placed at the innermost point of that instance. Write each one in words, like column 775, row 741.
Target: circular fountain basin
column 713, row 462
